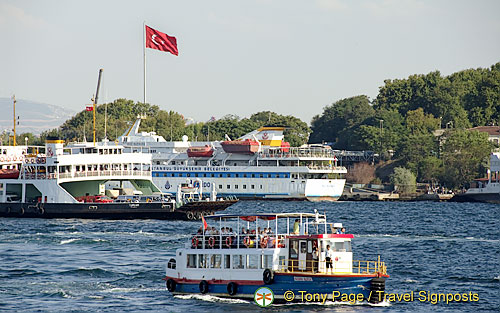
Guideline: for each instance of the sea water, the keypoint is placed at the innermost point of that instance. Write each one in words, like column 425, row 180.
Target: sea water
column 74, row 265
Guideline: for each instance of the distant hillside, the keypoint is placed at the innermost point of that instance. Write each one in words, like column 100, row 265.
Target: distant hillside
column 34, row 117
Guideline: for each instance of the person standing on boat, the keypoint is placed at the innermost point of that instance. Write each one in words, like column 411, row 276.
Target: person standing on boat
column 315, row 256
column 328, row 259
column 296, row 227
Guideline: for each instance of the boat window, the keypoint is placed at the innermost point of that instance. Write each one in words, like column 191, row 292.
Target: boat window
column 253, row 261
column 253, row 175
column 347, row 246
column 267, row 261
column 244, row 186
column 245, row 175
column 235, row 186
column 220, row 186
column 294, row 248
column 303, row 247
column 227, row 261
column 228, row 186
column 238, row 261
column 215, row 261
column 237, row 175
column 212, row 175
column 202, row 261
column 191, row 261
column 253, row 186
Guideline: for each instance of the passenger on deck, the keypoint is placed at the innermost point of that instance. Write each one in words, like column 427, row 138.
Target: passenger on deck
column 296, row 227
column 243, row 230
column 315, row 257
column 328, row 259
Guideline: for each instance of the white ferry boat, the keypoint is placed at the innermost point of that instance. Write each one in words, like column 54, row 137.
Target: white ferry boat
column 238, row 254
column 69, row 182
column 259, row 165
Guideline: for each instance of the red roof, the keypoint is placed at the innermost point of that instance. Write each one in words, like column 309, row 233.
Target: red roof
column 491, row 130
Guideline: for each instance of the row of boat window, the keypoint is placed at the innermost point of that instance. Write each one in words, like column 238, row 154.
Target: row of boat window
column 237, row 186
column 223, row 261
column 235, row 175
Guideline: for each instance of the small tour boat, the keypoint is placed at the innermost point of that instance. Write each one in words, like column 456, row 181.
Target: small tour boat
column 235, row 255
column 247, row 146
column 200, row 152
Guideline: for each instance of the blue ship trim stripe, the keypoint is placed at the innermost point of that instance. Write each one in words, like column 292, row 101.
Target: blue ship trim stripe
column 221, row 174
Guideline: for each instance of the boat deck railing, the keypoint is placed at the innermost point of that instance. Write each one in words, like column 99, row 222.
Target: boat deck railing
column 332, row 267
column 41, row 175
column 238, row 241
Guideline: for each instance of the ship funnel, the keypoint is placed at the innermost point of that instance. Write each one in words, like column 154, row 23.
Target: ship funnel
column 53, row 146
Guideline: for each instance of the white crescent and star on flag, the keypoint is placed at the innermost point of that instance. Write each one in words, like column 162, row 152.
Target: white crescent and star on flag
column 155, row 42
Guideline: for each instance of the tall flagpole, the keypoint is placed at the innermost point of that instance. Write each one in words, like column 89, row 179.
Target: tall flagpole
column 144, row 55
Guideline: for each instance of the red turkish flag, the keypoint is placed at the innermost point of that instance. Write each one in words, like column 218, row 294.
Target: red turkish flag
column 89, row 108
column 160, row 41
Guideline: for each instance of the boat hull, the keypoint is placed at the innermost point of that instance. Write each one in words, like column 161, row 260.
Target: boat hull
column 319, row 284
column 152, row 210
column 479, row 197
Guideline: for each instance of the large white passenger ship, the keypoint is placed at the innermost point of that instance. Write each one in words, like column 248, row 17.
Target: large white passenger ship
column 259, row 165
column 57, row 181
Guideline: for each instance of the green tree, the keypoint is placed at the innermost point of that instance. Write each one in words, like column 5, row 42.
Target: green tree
column 403, row 180
column 340, row 117
column 465, row 154
column 430, row 169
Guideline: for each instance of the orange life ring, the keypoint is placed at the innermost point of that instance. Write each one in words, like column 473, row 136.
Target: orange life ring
column 336, row 258
column 246, row 241
column 229, row 241
column 211, row 242
column 194, row 242
column 263, row 242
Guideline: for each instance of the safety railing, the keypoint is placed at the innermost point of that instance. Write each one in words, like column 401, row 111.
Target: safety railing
column 33, row 175
column 237, row 241
column 332, row 266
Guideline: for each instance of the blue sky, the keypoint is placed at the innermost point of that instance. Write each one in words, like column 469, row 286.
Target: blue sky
column 237, row 57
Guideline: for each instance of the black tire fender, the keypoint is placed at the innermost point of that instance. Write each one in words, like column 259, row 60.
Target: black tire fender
column 268, row 276
column 203, row 286
column 171, row 284
column 232, row 288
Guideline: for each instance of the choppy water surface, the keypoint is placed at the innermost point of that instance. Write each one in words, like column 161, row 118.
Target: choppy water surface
column 116, row 266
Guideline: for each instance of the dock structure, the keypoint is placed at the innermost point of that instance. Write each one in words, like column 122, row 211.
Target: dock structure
column 353, row 193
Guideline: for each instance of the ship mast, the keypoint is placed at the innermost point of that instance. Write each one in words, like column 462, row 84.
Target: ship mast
column 94, row 99
column 14, row 102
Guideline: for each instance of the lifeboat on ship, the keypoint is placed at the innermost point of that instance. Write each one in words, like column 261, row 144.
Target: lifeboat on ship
column 247, row 146
column 200, row 152
column 9, row 174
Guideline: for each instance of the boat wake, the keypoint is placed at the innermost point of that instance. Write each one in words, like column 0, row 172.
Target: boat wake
column 210, row 298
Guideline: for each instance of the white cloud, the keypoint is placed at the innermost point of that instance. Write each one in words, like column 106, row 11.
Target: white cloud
column 12, row 15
